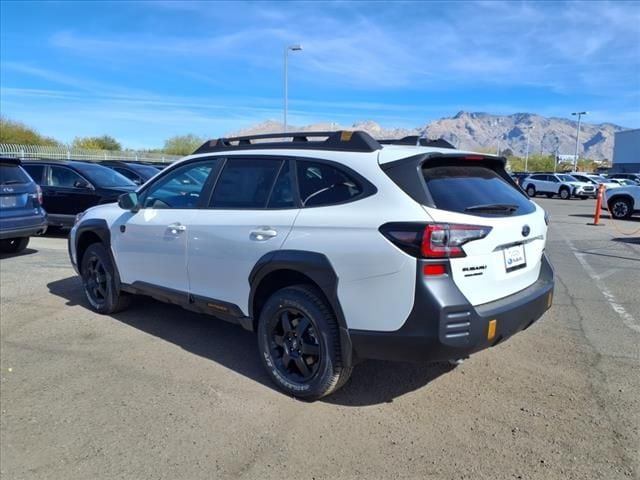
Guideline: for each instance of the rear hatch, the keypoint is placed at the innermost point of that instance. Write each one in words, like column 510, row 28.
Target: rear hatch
column 18, row 194
column 475, row 191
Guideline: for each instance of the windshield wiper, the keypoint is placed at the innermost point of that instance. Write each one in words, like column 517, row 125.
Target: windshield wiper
column 12, row 182
column 493, row 207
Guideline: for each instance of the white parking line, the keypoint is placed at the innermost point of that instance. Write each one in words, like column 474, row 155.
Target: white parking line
column 626, row 317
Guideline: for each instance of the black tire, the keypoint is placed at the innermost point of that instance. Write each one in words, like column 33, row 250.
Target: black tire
column 549, row 195
column 565, row 193
column 299, row 343
column 99, row 281
column 620, row 208
column 531, row 190
column 14, row 245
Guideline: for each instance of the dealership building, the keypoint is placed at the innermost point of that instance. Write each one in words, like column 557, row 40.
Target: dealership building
column 626, row 152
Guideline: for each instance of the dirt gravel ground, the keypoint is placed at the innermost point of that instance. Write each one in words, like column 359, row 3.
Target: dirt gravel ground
column 157, row 392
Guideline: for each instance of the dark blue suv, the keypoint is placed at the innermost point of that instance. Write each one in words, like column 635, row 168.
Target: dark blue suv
column 21, row 212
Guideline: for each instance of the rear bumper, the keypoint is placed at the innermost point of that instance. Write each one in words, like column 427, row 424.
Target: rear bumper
column 443, row 325
column 36, row 225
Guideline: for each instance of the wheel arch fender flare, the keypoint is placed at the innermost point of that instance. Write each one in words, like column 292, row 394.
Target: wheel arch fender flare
column 99, row 228
column 317, row 267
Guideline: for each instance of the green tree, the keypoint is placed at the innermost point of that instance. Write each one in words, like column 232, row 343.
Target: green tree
column 182, row 144
column 19, row 133
column 105, row 142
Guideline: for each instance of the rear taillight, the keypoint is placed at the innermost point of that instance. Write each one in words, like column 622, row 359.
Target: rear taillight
column 436, row 240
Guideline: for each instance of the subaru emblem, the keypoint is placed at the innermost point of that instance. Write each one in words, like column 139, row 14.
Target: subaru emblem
column 526, row 231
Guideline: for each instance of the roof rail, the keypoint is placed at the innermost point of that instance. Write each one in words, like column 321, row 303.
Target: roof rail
column 344, row 140
column 415, row 140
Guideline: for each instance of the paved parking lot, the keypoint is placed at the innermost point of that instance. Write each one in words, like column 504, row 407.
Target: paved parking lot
column 158, row 392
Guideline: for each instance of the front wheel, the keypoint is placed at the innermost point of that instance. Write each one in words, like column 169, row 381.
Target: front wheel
column 620, row 208
column 14, row 245
column 565, row 194
column 299, row 343
column 99, row 281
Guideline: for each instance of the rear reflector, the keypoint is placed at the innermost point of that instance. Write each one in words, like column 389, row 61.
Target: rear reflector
column 435, row 269
column 491, row 333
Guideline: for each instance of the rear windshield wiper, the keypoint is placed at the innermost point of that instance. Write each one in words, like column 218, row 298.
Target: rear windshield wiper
column 12, row 182
column 493, row 207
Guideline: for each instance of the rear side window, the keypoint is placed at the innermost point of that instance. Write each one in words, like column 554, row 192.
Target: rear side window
column 324, row 184
column 11, row 174
column 474, row 190
column 245, row 183
column 35, row 172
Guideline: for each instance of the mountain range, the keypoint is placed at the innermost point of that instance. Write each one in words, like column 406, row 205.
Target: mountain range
column 487, row 132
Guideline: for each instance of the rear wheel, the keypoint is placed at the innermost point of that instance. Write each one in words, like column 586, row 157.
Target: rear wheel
column 299, row 343
column 99, row 281
column 620, row 208
column 14, row 245
column 531, row 191
column 565, row 194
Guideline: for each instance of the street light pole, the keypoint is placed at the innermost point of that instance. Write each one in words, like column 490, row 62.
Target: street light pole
column 293, row 48
column 575, row 157
column 526, row 158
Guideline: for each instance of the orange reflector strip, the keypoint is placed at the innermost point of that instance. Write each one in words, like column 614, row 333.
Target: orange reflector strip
column 491, row 333
column 549, row 300
column 437, row 269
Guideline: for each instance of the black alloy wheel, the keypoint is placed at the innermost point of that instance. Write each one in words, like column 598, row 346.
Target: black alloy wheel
column 299, row 343
column 14, row 245
column 99, row 280
column 620, row 208
column 294, row 344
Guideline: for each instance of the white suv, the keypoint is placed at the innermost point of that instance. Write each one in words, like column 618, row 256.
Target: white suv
column 563, row 185
column 332, row 246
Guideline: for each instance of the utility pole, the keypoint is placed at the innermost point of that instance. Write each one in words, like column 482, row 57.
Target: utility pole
column 575, row 157
column 293, row 48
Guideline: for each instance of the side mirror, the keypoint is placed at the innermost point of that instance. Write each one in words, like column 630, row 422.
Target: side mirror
column 81, row 184
column 129, row 201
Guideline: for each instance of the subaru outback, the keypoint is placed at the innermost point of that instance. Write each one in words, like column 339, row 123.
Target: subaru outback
column 332, row 246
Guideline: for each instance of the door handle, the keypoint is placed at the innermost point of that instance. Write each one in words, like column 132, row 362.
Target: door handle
column 176, row 228
column 263, row 233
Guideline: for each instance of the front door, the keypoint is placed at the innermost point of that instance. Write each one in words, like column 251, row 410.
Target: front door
column 151, row 245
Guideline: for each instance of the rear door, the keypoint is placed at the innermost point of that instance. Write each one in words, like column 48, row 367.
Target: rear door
column 509, row 258
column 250, row 214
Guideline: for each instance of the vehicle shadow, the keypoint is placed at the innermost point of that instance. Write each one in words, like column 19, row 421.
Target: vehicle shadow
column 604, row 217
column 372, row 382
column 26, row 251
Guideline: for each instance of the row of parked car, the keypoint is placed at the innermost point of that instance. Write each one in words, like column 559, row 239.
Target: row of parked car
column 35, row 195
column 622, row 196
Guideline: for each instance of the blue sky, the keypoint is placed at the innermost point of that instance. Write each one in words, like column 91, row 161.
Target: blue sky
column 144, row 71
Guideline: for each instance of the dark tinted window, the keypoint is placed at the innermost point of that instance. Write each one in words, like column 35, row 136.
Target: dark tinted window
column 103, row 176
column 134, row 177
column 65, row 177
column 11, row 174
column 323, row 184
column 35, row 172
column 538, row 177
column 282, row 193
column 180, row 188
column 467, row 189
column 245, row 183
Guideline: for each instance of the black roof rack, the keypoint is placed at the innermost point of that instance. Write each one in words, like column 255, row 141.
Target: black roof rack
column 344, row 140
column 421, row 141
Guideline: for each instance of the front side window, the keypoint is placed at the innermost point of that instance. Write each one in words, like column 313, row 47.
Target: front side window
column 245, row 183
column 324, row 184
column 103, row 177
column 65, row 178
column 180, row 188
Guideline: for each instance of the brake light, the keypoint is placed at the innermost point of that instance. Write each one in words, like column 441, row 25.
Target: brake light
column 445, row 241
column 436, row 240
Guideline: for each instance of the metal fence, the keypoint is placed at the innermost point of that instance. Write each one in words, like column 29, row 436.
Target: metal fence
column 26, row 152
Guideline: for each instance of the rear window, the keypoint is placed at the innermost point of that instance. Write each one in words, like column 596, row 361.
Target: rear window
column 11, row 174
column 474, row 190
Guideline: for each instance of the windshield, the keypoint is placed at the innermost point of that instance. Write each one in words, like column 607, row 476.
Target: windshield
column 567, row 178
column 103, row 176
column 598, row 178
column 147, row 170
